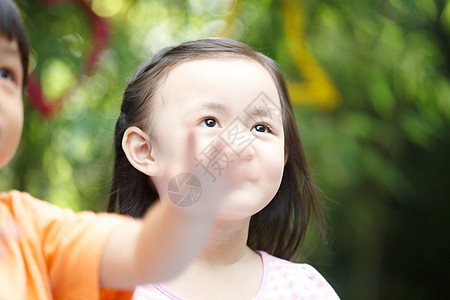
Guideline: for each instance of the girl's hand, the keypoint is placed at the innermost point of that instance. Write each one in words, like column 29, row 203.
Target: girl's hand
column 198, row 180
column 174, row 229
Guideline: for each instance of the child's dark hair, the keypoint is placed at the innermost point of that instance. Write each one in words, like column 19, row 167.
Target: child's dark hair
column 280, row 227
column 12, row 28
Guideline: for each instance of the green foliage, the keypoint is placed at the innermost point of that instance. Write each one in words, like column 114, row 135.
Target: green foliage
column 380, row 158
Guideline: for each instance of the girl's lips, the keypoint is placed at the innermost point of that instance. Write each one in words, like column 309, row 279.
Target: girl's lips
column 245, row 173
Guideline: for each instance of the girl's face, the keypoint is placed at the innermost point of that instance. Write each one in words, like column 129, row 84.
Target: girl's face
column 237, row 100
column 11, row 107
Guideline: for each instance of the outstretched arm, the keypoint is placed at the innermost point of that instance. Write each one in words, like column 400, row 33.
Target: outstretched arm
column 154, row 249
column 168, row 237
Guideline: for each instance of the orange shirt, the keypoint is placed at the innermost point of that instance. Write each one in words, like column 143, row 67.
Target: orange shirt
column 58, row 253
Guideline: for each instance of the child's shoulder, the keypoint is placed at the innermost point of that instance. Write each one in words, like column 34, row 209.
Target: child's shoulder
column 279, row 264
column 18, row 202
column 34, row 217
column 295, row 280
column 4, row 196
column 15, row 195
column 23, row 207
column 14, row 198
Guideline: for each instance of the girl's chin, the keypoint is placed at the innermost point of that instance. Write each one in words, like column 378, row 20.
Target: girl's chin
column 242, row 204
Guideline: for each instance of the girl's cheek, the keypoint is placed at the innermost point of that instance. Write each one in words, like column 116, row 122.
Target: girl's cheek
column 275, row 163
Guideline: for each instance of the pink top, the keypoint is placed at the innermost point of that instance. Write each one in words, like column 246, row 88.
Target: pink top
column 282, row 279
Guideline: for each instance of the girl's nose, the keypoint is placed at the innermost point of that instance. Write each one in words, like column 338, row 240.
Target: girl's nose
column 247, row 153
column 238, row 140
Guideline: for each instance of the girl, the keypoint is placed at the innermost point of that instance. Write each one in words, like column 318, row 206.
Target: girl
column 51, row 253
column 231, row 106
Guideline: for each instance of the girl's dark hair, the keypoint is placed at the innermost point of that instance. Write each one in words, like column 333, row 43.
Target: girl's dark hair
column 280, row 227
column 12, row 28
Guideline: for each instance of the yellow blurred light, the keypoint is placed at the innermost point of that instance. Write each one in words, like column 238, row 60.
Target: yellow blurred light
column 107, row 8
column 56, row 78
column 317, row 87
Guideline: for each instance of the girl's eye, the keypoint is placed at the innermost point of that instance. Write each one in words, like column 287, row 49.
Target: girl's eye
column 6, row 74
column 261, row 128
column 209, row 122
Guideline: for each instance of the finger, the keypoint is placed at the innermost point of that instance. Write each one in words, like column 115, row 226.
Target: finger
column 184, row 160
column 191, row 150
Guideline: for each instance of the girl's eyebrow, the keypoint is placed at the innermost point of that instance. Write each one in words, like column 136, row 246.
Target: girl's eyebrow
column 265, row 112
column 214, row 106
column 8, row 49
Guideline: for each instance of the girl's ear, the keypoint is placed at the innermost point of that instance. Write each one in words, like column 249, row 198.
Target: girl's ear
column 138, row 149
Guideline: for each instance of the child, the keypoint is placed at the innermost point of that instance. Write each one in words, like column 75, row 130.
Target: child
column 50, row 253
column 234, row 101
